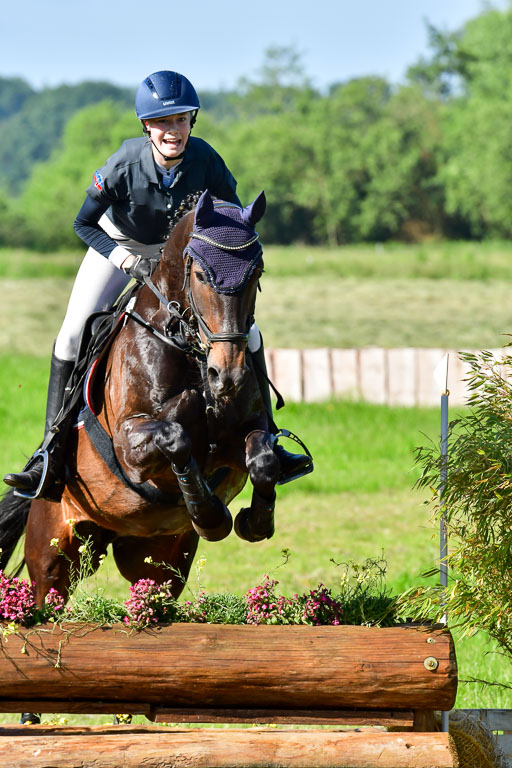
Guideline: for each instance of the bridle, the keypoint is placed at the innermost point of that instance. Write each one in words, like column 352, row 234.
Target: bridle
column 190, row 320
column 211, row 338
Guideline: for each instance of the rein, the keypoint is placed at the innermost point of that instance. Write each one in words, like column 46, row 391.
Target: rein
column 211, row 337
column 189, row 339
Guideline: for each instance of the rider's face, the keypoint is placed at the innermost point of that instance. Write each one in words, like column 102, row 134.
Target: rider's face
column 169, row 134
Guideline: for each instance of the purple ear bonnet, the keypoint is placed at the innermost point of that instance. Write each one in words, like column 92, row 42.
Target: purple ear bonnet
column 224, row 242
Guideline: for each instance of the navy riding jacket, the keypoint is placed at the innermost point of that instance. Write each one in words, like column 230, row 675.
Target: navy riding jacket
column 130, row 190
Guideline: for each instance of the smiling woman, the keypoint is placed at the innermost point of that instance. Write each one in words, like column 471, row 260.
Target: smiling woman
column 169, row 136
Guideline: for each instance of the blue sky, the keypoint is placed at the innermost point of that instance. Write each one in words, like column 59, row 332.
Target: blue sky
column 215, row 43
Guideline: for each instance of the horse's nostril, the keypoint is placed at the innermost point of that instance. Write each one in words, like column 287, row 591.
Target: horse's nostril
column 213, row 375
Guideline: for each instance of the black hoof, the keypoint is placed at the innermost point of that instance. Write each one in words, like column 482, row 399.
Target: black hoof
column 30, row 718
column 249, row 530
column 222, row 528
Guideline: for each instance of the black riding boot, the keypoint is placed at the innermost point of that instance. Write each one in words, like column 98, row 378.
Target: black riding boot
column 292, row 465
column 29, row 480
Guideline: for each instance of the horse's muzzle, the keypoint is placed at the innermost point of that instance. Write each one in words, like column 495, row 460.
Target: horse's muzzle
column 225, row 382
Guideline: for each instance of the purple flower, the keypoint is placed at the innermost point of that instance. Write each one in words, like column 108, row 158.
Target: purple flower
column 150, row 603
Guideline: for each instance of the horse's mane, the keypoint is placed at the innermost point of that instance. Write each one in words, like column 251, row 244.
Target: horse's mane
column 187, row 204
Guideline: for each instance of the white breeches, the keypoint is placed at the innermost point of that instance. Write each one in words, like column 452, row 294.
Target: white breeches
column 98, row 284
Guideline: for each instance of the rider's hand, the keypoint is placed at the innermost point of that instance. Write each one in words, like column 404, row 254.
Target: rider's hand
column 140, row 268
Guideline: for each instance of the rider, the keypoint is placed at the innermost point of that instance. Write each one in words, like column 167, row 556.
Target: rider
column 124, row 221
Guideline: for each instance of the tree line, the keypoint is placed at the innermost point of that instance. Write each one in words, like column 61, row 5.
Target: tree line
column 366, row 160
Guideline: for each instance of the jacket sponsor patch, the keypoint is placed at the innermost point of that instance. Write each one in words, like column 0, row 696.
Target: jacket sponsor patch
column 98, row 181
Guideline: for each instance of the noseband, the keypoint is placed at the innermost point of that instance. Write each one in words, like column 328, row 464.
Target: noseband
column 188, row 339
column 211, row 338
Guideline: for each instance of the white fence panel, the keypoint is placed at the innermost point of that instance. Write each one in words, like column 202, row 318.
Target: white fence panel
column 386, row 376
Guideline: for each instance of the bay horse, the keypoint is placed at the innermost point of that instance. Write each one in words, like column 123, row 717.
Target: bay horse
column 177, row 396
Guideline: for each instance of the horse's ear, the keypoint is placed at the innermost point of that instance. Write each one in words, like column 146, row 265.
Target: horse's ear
column 255, row 210
column 204, row 211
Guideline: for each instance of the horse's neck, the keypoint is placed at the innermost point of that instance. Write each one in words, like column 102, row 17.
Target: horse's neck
column 170, row 273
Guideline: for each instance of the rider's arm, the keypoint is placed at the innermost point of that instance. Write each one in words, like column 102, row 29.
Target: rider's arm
column 89, row 230
column 218, row 178
column 223, row 183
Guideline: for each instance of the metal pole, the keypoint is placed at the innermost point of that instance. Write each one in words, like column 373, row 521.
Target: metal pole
column 443, row 538
column 444, row 477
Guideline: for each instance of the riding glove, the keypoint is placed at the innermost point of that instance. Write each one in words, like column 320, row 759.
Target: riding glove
column 141, row 268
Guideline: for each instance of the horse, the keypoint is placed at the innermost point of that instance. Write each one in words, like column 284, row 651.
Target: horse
column 176, row 397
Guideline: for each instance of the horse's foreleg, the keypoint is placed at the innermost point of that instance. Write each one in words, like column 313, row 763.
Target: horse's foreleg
column 147, row 447
column 256, row 522
column 209, row 515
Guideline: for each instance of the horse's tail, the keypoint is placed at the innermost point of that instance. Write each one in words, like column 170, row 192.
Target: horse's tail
column 13, row 519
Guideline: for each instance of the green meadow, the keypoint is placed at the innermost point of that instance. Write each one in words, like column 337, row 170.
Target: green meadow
column 360, row 502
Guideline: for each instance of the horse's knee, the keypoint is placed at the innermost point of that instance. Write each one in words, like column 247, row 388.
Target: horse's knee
column 172, row 440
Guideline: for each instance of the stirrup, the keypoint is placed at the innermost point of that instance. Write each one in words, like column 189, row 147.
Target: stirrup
column 46, row 464
column 307, row 469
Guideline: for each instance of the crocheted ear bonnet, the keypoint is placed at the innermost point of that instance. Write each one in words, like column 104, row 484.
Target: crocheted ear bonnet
column 224, row 242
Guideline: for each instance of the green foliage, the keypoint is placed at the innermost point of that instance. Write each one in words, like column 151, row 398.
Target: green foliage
column 366, row 161
column 219, row 608
column 34, row 127
column 13, row 94
column 476, row 502
column 56, row 190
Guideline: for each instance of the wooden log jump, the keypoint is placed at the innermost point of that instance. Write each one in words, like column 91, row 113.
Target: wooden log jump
column 232, row 674
column 209, row 667
column 129, row 747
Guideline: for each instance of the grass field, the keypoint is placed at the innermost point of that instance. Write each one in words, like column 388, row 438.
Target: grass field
column 360, row 501
column 455, row 296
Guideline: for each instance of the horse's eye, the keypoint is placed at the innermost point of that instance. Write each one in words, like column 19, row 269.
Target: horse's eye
column 200, row 276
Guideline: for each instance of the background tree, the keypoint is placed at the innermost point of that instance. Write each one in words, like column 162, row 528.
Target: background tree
column 475, row 159
column 56, row 189
column 41, row 119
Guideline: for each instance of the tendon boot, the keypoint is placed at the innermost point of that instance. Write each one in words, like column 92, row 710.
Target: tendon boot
column 292, row 465
column 43, row 468
column 209, row 515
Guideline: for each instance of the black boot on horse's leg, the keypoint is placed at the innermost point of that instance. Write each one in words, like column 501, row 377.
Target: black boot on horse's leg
column 210, row 517
column 29, row 480
column 292, row 465
column 30, row 718
column 256, row 522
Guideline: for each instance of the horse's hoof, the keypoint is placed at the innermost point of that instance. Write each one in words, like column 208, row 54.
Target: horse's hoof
column 223, row 527
column 30, row 718
column 248, row 532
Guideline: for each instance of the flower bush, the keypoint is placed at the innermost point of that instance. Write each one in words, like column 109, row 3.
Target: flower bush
column 150, row 603
column 363, row 600
column 17, row 603
column 265, row 606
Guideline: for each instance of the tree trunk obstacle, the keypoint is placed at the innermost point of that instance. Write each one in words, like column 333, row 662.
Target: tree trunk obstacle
column 197, row 673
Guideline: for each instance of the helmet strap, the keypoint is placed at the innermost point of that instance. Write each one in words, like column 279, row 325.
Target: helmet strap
column 166, row 157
